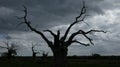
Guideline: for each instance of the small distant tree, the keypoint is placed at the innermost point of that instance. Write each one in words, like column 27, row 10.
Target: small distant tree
column 96, row 55
column 11, row 50
column 44, row 55
column 34, row 51
column 60, row 44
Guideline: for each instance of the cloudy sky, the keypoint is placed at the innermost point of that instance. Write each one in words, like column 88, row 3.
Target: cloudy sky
column 58, row 14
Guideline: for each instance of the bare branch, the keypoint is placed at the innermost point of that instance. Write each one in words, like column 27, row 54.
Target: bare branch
column 75, row 41
column 28, row 23
column 84, row 34
column 80, row 32
column 7, row 44
column 95, row 31
column 81, row 18
column 74, row 34
column 90, row 40
column 50, row 32
column 58, row 34
column 82, row 13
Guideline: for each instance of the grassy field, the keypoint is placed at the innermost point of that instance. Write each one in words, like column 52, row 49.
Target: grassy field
column 72, row 62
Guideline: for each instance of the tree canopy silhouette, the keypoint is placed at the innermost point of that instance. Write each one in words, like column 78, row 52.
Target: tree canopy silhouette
column 60, row 44
column 34, row 51
column 11, row 50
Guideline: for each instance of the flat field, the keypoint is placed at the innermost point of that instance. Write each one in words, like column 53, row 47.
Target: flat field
column 72, row 62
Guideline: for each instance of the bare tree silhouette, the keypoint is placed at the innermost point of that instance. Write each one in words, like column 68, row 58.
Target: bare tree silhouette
column 34, row 52
column 11, row 50
column 44, row 55
column 60, row 44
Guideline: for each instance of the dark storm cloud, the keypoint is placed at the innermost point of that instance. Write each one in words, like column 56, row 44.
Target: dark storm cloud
column 44, row 13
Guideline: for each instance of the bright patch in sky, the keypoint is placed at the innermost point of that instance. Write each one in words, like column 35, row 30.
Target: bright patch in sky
column 5, row 11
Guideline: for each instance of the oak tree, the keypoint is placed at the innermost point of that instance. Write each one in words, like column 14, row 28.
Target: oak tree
column 60, row 44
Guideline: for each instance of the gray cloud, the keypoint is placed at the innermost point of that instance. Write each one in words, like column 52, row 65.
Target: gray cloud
column 46, row 13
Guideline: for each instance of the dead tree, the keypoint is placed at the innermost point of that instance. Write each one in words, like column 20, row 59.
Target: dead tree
column 11, row 50
column 44, row 55
column 60, row 44
column 34, row 52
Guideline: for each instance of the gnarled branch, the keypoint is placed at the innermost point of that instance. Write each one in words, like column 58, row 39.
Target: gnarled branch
column 75, row 41
column 81, row 17
column 54, row 35
column 84, row 34
column 58, row 34
column 90, row 40
column 74, row 34
column 95, row 31
column 28, row 23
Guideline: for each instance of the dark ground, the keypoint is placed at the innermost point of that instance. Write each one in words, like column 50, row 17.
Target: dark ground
column 74, row 61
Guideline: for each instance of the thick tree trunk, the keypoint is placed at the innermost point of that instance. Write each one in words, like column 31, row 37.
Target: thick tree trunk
column 34, row 56
column 9, row 54
column 60, row 57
